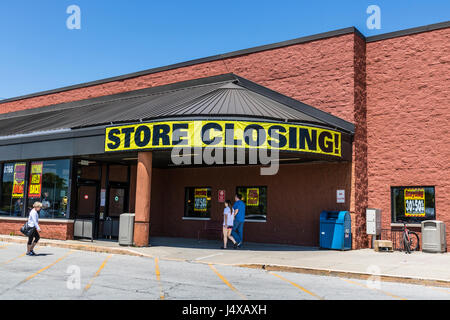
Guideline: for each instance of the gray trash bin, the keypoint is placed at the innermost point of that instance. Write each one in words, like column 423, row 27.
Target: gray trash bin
column 84, row 228
column 433, row 236
column 126, row 229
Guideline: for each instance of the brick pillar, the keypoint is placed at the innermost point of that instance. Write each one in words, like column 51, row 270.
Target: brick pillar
column 359, row 161
column 143, row 192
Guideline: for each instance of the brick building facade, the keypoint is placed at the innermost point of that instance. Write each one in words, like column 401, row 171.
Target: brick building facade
column 394, row 88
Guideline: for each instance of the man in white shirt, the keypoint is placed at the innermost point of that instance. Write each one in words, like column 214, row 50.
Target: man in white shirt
column 33, row 223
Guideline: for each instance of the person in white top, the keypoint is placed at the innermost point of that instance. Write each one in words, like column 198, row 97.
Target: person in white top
column 228, row 224
column 33, row 223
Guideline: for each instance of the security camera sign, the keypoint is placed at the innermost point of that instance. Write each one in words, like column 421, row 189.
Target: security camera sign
column 415, row 202
column 221, row 196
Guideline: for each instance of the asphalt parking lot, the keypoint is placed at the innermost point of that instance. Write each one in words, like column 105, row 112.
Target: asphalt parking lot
column 58, row 273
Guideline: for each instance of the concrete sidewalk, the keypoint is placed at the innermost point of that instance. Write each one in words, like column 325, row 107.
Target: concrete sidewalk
column 418, row 267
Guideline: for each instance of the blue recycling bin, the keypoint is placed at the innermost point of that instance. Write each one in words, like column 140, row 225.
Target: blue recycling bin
column 335, row 230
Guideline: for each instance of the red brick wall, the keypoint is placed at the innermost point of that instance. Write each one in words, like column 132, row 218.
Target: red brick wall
column 319, row 73
column 158, row 204
column 294, row 199
column 408, row 117
column 49, row 230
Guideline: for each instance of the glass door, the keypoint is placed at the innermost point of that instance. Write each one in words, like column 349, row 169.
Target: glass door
column 88, row 204
column 116, row 205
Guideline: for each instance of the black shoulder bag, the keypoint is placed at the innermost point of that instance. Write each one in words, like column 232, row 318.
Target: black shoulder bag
column 26, row 229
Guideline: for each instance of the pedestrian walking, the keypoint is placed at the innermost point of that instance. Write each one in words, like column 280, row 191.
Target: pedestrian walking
column 33, row 223
column 227, row 224
column 239, row 218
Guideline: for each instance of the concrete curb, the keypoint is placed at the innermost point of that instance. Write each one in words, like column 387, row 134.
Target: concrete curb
column 267, row 267
column 351, row 274
column 74, row 246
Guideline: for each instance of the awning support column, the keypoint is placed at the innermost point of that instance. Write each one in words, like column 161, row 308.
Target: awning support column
column 143, row 196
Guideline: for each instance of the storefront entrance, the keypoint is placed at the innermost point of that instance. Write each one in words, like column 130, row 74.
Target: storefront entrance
column 168, row 152
column 102, row 195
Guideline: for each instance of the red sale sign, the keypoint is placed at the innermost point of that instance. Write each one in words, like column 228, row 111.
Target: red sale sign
column 221, row 195
column 19, row 180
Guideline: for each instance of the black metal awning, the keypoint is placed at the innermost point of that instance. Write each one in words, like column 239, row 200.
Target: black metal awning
column 224, row 97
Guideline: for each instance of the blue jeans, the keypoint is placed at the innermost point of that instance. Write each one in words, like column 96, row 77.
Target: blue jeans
column 238, row 231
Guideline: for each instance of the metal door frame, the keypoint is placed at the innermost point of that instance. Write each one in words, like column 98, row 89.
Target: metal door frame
column 95, row 218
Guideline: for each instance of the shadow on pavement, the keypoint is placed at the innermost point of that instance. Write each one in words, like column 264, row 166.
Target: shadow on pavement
column 216, row 244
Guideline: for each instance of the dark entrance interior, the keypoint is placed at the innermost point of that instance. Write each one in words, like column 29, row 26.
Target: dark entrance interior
column 102, row 194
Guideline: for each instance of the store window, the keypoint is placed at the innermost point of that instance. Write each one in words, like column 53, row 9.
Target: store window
column 12, row 189
column 197, row 202
column 255, row 199
column 413, row 204
column 49, row 184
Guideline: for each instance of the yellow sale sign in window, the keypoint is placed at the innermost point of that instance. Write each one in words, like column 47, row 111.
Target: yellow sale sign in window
column 252, row 197
column 201, row 199
column 415, row 202
column 34, row 190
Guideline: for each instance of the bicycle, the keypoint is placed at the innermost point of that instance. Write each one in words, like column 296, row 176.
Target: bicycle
column 410, row 239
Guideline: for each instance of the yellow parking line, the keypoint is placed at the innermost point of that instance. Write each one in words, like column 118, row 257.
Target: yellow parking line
column 97, row 273
column 440, row 289
column 227, row 282
column 47, row 267
column 6, row 262
column 297, row 286
column 158, row 277
column 4, row 246
column 364, row 286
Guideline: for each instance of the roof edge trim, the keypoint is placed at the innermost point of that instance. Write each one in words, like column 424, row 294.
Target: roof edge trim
column 318, row 36
column 225, row 78
column 410, row 31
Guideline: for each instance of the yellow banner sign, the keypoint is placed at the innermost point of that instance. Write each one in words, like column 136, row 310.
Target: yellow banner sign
column 220, row 134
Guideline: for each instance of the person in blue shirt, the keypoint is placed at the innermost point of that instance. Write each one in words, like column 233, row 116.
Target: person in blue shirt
column 239, row 218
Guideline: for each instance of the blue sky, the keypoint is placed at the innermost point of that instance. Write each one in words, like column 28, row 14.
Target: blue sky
column 38, row 52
